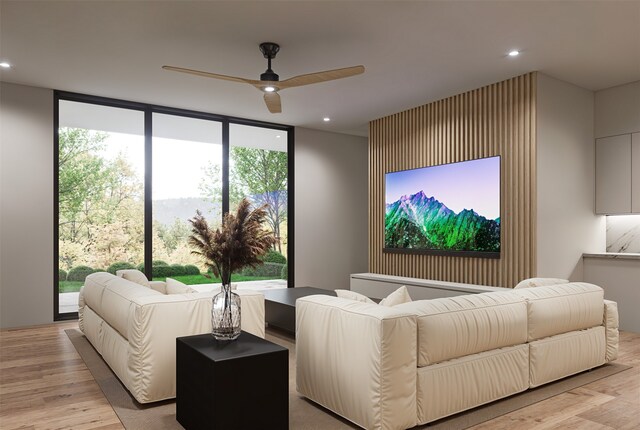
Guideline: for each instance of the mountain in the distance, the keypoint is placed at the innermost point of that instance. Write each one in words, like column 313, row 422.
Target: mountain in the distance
column 422, row 222
column 166, row 211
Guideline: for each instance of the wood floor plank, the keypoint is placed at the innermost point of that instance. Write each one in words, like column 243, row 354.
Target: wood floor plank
column 577, row 423
column 8, row 363
column 617, row 414
column 45, row 385
column 84, row 415
column 547, row 414
column 624, row 386
column 45, row 381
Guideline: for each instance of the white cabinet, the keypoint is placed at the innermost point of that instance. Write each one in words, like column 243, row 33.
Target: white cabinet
column 613, row 175
column 635, row 173
column 618, row 276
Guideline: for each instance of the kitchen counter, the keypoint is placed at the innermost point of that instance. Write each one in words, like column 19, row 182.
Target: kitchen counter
column 619, row 275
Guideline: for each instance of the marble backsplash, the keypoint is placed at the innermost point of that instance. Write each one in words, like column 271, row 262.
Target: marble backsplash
column 623, row 233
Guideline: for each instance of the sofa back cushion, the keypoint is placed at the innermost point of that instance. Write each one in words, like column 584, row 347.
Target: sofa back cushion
column 111, row 297
column 539, row 282
column 173, row 286
column 352, row 295
column 457, row 326
column 134, row 275
column 562, row 308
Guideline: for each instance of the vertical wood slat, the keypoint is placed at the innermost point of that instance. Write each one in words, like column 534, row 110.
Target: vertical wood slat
column 499, row 119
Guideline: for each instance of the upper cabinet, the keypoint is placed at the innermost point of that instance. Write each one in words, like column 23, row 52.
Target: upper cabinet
column 618, row 174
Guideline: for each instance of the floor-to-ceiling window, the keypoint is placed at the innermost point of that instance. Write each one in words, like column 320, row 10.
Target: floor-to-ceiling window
column 258, row 170
column 129, row 176
column 187, row 177
column 100, row 193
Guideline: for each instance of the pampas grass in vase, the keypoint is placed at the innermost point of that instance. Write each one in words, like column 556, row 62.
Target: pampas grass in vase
column 239, row 243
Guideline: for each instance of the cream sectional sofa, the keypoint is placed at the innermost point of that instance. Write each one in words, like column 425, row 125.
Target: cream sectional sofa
column 135, row 327
column 397, row 367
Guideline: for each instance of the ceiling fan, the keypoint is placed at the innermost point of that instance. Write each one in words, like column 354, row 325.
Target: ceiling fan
column 270, row 82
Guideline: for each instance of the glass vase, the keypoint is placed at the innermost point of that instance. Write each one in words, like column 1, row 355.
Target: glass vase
column 225, row 314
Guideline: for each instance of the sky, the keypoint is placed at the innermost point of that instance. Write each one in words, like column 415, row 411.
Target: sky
column 170, row 156
column 473, row 184
column 186, row 147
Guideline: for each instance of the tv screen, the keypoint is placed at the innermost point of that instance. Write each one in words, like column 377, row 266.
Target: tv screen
column 450, row 209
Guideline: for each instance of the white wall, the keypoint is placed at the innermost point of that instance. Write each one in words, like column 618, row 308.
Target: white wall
column 331, row 195
column 567, row 226
column 617, row 110
column 26, row 205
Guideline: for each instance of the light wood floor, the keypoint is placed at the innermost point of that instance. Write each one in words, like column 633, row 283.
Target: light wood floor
column 44, row 384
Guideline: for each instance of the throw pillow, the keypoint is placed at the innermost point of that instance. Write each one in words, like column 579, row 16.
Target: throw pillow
column 540, row 282
column 134, row 275
column 352, row 295
column 176, row 287
column 398, row 297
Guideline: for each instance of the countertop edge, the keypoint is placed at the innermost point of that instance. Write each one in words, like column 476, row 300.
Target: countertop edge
column 614, row 255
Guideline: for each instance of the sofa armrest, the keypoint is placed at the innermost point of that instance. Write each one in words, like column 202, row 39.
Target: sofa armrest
column 611, row 329
column 155, row 324
column 159, row 286
column 358, row 359
column 81, row 304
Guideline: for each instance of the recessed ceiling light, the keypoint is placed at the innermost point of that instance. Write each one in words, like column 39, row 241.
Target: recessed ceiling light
column 514, row 53
column 269, row 89
column 326, row 119
column 5, row 65
column 278, row 137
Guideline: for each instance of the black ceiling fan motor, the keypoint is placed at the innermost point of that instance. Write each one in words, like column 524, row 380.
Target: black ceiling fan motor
column 269, row 50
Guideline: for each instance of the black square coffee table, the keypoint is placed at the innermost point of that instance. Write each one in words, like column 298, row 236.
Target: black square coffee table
column 280, row 305
column 240, row 384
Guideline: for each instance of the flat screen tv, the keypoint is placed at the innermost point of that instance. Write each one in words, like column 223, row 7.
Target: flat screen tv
column 449, row 209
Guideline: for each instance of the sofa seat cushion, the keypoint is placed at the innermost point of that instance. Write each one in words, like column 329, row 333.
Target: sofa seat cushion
column 556, row 357
column 562, row 308
column 457, row 326
column 464, row 383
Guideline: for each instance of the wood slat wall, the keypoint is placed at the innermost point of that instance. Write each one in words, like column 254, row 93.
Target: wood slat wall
column 498, row 119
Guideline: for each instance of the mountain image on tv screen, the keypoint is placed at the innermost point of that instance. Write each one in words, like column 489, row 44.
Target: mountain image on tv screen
column 451, row 207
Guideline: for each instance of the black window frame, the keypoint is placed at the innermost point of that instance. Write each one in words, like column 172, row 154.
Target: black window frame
column 149, row 110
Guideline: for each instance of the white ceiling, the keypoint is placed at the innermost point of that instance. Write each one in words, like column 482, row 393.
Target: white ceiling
column 414, row 52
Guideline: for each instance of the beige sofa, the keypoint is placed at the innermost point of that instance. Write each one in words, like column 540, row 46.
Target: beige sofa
column 397, row 367
column 135, row 327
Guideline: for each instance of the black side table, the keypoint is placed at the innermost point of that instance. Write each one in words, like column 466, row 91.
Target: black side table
column 240, row 384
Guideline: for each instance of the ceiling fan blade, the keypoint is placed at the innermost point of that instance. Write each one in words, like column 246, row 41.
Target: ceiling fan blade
column 314, row 78
column 273, row 102
column 210, row 75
